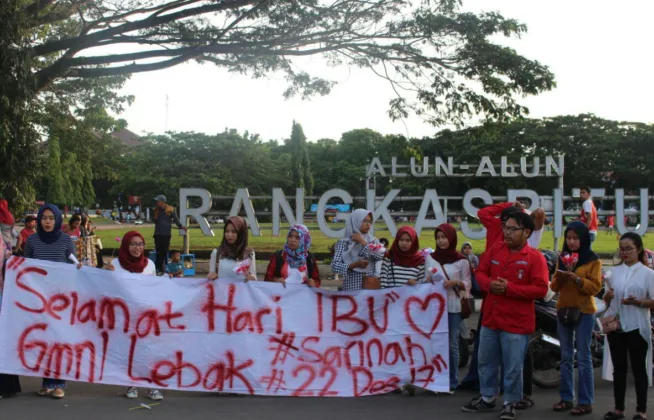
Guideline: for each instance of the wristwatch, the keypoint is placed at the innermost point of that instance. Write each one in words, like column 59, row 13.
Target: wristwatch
column 578, row 281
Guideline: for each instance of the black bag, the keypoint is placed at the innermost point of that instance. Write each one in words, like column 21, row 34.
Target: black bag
column 568, row 316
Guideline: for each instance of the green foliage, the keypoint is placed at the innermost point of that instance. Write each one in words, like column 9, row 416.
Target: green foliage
column 447, row 58
column 56, row 183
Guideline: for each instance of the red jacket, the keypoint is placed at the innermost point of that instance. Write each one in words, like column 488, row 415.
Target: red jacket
column 489, row 216
column 527, row 276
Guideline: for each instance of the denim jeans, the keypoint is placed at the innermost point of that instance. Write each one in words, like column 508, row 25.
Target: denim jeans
column 453, row 323
column 593, row 236
column 577, row 336
column 50, row 383
column 498, row 347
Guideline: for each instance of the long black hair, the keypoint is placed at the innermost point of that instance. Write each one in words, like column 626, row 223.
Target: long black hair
column 638, row 241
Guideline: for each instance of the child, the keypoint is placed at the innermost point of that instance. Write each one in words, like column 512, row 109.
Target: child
column 175, row 268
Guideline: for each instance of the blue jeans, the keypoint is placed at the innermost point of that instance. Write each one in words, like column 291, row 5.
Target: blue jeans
column 593, row 236
column 578, row 336
column 50, row 383
column 498, row 347
column 453, row 323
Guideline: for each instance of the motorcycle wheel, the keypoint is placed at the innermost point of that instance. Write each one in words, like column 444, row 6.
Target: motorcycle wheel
column 542, row 378
column 464, row 352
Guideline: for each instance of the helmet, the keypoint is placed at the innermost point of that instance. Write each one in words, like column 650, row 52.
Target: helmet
column 551, row 258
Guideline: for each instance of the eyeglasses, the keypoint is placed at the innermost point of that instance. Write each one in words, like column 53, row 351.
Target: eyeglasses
column 627, row 250
column 137, row 245
column 511, row 230
column 367, row 221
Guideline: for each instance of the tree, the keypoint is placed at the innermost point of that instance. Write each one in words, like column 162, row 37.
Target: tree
column 443, row 57
column 55, row 179
column 18, row 138
column 300, row 163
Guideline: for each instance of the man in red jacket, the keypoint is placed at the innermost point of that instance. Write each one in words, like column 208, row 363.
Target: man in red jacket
column 513, row 275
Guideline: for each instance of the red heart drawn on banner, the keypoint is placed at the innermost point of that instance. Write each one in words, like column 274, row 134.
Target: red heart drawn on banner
column 424, row 305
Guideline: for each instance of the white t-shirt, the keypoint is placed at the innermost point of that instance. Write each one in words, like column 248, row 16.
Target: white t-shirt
column 535, row 238
column 459, row 270
column 149, row 270
column 226, row 267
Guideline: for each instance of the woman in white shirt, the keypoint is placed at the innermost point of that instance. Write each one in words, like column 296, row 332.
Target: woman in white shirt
column 456, row 269
column 232, row 251
column 630, row 295
column 132, row 259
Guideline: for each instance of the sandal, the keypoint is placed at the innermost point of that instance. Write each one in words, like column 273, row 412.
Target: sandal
column 524, row 404
column 562, row 406
column 612, row 415
column 44, row 392
column 581, row 410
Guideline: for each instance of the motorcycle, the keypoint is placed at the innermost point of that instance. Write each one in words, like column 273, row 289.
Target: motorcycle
column 544, row 347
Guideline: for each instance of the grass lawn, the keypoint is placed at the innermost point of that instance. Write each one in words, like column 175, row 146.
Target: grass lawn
column 604, row 243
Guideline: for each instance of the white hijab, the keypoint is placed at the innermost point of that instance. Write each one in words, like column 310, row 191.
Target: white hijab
column 353, row 226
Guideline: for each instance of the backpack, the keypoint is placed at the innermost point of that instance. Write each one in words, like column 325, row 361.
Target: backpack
column 279, row 263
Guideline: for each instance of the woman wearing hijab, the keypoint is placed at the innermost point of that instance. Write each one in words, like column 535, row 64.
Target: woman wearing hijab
column 576, row 309
column 51, row 244
column 456, row 269
column 9, row 384
column 353, row 257
column 294, row 263
column 403, row 264
column 232, row 251
column 6, row 223
column 132, row 259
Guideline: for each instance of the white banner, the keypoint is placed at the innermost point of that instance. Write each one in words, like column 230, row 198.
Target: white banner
column 191, row 334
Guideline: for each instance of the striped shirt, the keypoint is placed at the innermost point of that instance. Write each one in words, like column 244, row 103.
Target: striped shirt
column 353, row 280
column 393, row 275
column 58, row 251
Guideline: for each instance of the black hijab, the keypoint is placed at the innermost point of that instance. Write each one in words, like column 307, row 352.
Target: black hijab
column 49, row 237
column 586, row 255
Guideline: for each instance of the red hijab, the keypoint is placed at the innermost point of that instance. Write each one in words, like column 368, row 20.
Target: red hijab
column 127, row 261
column 410, row 258
column 449, row 255
column 6, row 218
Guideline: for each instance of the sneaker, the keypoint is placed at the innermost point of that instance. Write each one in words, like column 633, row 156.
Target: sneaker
column 478, row 405
column 155, row 394
column 132, row 393
column 58, row 393
column 508, row 412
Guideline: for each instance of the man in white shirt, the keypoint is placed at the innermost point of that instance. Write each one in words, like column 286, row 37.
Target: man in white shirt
column 589, row 213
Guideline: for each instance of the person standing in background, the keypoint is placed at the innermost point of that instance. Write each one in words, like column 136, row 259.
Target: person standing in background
column 29, row 229
column 589, row 213
column 164, row 216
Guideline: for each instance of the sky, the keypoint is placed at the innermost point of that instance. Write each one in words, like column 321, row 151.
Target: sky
column 597, row 49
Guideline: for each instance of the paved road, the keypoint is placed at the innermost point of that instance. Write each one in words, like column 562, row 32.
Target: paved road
column 99, row 402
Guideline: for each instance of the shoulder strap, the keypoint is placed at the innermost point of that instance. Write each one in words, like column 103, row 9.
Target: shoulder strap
column 279, row 262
